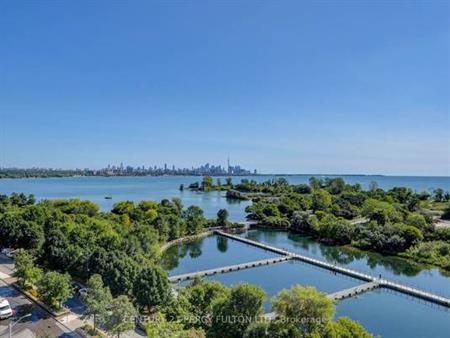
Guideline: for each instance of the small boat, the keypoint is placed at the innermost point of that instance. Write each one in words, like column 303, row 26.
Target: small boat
column 108, row 198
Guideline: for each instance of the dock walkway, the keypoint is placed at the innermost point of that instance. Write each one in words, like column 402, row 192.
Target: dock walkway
column 431, row 297
column 356, row 290
column 347, row 293
column 230, row 268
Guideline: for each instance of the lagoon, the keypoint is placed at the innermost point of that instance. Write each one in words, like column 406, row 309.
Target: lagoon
column 381, row 311
column 393, row 315
column 284, row 275
column 208, row 253
column 392, row 268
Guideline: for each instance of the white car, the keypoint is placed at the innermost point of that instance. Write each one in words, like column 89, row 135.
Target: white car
column 5, row 309
column 83, row 292
column 8, row 252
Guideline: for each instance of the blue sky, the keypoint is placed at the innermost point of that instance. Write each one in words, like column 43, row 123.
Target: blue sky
column 282, row 86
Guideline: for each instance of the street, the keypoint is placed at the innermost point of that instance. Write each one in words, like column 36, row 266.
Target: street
column 39, row 324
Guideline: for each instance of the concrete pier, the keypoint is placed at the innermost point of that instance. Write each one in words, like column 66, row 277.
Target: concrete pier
column 347, row 293
column 230, row 268
column 431, row 297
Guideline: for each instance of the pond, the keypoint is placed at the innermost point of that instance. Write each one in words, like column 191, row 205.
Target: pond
column 277, row 277
column 391, row 314
column 381, row 311
column 392, row 268
column 208, row 253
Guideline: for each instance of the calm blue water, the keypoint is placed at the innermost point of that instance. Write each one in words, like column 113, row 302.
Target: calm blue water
column 284, row 275
column 391, row 268
column 126, row 189
column 208, row 253
column 394, row 315
column 158, row 188
column 382, row 312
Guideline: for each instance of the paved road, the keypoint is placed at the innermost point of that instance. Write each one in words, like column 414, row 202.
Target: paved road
column 40, row 323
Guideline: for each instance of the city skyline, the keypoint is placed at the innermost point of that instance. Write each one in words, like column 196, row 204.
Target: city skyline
column 123, row 169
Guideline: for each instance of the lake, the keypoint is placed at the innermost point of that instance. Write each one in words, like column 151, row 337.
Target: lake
column 160, row 187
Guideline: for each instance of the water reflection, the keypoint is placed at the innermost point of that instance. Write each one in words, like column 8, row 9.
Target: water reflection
column 208, row 253
column 222, row 243
column 394, row 268
column 194, row 249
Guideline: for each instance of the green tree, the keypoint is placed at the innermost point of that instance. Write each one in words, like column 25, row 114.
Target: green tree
column 195, row 220
column 152, row 288
column 335, row 186
column 202, row 296
column 321, row 200
column 123, row 207
column 232, row 316
column 159, row 327
column 75, row 207
column 121, row 274
column 309, row 309
column 302, row 189
column 334, row 230
column 346, row 328
column 381, row 212
column 438, row 195
column 419, row 221
column 446, row 214
column 315, row 183
column 222, row 217
column 55, row 288
column 302, row 221
column 207, row 183
column 28, row 274
column 257, row 330
column 122, row 316
column 97, row 300
column 16, row 232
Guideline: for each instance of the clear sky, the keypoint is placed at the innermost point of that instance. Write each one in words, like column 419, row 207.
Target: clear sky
column 282, row 86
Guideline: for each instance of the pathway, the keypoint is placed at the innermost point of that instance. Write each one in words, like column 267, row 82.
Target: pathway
column 431, row 297
column 226, row 269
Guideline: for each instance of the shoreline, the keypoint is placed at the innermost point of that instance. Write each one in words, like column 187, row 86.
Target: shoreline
column 233, row 175
column 349, row 248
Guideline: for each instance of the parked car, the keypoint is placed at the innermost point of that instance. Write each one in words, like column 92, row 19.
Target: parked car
column 83, row 291
column 8, row 252
column 5, row 309
column 76, row 286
